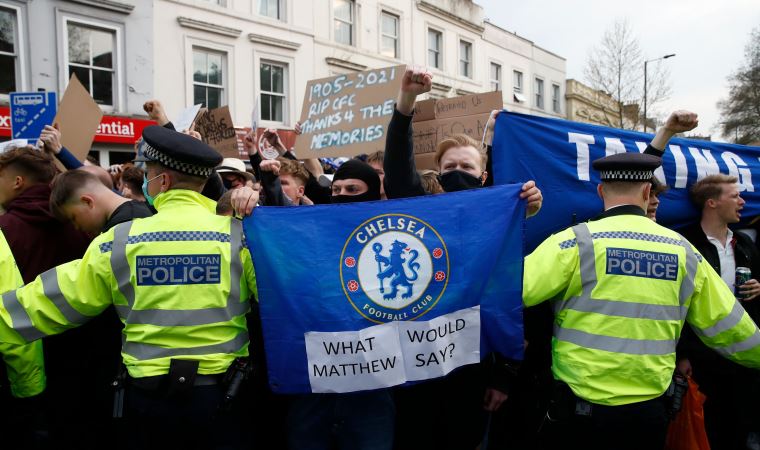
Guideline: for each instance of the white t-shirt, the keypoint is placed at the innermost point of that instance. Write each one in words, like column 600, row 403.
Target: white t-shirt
column 727, row 261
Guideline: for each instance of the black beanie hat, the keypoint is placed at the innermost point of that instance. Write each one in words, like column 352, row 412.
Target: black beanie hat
column 353, row 168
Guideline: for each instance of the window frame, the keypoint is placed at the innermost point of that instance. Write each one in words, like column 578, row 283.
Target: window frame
column 284, row 95
column 499, row 79
column 439, row 51
column 539, row 93
column 352, row 24
column 396, row 38
column 280, row 10
column 468, row 63
column 117, row 92
column 557, row 101
column 225, row 68
column 19, row 49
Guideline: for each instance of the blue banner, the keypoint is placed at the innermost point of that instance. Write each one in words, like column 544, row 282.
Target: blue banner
column 371, row 295
column 557, row 154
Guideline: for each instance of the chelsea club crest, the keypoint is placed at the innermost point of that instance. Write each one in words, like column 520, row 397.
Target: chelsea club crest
column 394, row 267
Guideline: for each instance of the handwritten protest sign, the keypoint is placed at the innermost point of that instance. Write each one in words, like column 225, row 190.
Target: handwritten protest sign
column 78, row 119
column 348, row 115
column 215, row 126
column 393, row 353
column 434, row 120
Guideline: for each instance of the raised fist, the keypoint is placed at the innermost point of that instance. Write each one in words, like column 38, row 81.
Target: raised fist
column 156, row 112
column 416, row 81
column 681, row 121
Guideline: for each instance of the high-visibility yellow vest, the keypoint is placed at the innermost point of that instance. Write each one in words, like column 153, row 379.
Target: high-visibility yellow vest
column 25, row 364
column 621, row 288
column 179, row 280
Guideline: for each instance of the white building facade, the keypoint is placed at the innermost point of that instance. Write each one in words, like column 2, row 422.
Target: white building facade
column 107, row 43
column 259, row 54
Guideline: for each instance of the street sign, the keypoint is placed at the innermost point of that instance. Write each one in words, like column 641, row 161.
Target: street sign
column 30, row 112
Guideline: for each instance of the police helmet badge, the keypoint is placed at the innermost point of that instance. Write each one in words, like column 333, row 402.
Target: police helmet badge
column 394, row 267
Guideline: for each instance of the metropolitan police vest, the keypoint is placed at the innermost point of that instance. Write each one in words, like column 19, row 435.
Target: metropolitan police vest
column 179, row 280
column 620, row 300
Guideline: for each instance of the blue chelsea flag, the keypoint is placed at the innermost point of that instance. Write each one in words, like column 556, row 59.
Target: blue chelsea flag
column 370, row 295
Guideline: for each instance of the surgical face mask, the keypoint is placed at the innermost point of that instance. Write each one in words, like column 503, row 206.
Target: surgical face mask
column 458, row 180
column 148, row 198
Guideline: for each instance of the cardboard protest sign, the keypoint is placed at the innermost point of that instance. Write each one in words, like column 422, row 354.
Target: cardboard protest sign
column 434, row 120
column 78, row 119
column 215, row 126
column 348, row 115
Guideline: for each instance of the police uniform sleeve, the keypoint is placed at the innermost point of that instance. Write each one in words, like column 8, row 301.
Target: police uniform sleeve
column 720, row 321
column 25, row 364
column 61, row 298
column 548, row 271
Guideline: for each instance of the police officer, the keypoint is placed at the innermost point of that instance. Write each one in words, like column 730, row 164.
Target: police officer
column 180, row 282
column 622, row 287
column 24, row 367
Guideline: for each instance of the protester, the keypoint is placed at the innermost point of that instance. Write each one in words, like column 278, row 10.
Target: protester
column 733, row 391
column 654, row 198
column 233, row 173
column 131, row 182
column 457, row 404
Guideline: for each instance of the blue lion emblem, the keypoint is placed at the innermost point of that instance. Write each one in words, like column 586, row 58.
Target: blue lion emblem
column 395, row 269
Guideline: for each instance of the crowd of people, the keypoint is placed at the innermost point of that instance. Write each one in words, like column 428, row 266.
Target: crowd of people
column 101, row 349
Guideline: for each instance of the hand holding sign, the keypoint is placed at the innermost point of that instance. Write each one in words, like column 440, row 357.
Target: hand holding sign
column 51, row 139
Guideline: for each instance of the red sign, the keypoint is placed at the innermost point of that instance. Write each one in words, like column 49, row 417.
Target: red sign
column 112, row 129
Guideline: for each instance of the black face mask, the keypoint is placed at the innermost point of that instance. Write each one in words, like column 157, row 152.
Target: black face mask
column 457, row 180
column 227, row 184
column 365, row 197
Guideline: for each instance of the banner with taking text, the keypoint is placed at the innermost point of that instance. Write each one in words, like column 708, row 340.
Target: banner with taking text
column 371, row 295
column 557, row 154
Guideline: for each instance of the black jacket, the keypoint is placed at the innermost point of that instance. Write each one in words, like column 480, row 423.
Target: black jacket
column 716, row 375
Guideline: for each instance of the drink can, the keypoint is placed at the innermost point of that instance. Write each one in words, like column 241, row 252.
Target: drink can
column 743, row 274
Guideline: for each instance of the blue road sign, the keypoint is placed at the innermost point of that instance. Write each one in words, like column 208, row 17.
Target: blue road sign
column 30, row 112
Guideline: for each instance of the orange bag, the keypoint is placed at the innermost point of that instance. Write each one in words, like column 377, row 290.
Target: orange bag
column 687, row 431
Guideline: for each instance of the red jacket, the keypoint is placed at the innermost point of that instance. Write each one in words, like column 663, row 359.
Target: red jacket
column 38, row 241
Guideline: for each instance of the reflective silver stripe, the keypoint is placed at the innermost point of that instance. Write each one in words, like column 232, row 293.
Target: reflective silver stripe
column 731, row 320
column 22, row 323
column 687, row 284
column 587, row 258
column 615, row 344
column 747, row 344
column 183, row 317
column 587, row 265
column 120, row 264
column 625, row 309
column 52, row 290
column 146, row 351
column 236, row 267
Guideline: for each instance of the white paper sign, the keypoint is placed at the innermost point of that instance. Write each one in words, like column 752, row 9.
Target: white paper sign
column 13, row 143
column 350, row 361
column 436, row 347
column 392, row 353
column 186, row 117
